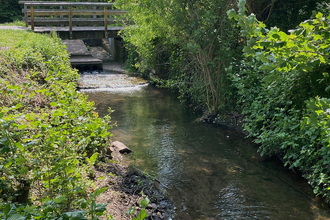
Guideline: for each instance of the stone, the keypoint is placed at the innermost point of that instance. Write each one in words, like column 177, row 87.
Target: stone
column 120, row 147
column 110, row 150
column 154, row 206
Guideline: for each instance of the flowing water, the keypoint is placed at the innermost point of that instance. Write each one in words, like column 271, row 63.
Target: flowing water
column 211, row 172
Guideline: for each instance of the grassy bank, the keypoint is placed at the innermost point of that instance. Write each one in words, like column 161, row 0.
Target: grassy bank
column 50, row 136
column 15, row 23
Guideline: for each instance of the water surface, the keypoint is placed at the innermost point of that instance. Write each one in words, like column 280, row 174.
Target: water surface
column 212, row 172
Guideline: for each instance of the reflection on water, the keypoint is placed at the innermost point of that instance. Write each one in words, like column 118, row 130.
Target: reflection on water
column 212, row 172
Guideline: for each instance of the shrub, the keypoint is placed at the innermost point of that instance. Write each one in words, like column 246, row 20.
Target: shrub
column 50, row 136
column 284, row 89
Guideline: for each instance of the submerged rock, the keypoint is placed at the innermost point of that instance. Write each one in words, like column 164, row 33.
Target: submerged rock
column 119, row 146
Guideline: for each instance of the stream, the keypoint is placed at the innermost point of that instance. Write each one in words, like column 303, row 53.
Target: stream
column 211, row 172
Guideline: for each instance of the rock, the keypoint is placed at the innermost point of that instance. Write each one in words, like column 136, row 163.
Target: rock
column 110, row 150
column 154, row 206
column 120, row 147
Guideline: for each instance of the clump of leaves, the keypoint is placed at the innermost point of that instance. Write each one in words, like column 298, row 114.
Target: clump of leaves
column 50, row 135
column 283, row 84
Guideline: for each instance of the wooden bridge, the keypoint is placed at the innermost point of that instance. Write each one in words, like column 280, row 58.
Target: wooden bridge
column 74, row 20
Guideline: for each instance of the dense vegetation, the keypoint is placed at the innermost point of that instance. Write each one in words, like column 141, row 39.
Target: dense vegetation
column 288, row 106
column 50, row 136
column 10, row 11
column 278, row 79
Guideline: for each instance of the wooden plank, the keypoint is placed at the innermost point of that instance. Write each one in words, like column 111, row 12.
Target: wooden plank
column 38, row 21
column 75, row 12
column 98, row 12
column 23, row 2
column 70, row 21
column 26, row 16
column 75, row 21
column 69, row 4
column 84, row 60
column 45, row 10
column 66, row 29
column 50, row 13
column 76, row 48
column 105, row 22
column 61, row 8
column 32, row 18
column 66, row 19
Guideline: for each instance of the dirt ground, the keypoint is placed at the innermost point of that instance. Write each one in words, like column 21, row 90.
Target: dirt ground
column 126, row 186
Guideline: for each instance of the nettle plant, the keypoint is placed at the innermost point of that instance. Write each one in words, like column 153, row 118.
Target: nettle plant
column 283, row 82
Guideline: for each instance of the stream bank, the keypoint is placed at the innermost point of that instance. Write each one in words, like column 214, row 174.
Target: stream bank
column 126, row 186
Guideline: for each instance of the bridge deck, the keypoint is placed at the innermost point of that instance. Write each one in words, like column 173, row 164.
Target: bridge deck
column 66, row 29
column 80, row 32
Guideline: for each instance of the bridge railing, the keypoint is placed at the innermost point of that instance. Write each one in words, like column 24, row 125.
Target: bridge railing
column 50, row 13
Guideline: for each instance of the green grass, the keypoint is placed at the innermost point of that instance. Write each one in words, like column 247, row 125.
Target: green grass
column 15, row 23
column 11, row 38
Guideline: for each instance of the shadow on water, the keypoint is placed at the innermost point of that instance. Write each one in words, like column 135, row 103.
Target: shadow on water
column 212, row 172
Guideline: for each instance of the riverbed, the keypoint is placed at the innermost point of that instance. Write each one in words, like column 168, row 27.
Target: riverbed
column 210, row 171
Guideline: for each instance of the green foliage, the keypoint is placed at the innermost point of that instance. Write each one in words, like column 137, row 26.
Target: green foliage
column 143, row 213
column 50, row 136
column 185, row 45
column 14, row 23
column 10, row 11
column 284, row 14
column 279, row 83
column 90, row 210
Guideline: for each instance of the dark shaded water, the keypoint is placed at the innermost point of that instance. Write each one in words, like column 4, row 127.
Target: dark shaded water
column 211, row 172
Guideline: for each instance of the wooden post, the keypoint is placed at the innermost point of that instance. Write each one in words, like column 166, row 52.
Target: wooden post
column 105, row 22
column 61, row 16
column 32, row 17
column 26, row 16
column 94, row 16
column 70, row 21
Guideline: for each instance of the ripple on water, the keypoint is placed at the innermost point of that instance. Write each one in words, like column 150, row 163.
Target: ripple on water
column 105, row 81
column 118, row 90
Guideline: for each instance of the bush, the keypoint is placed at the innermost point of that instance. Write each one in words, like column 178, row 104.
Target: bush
column 187, row 47
column 50, row 136
column 10, row 11
column 283, row 84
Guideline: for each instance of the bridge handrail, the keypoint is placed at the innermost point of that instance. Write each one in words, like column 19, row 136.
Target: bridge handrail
column 68, row 12
column 25, row 10
column 69, row 4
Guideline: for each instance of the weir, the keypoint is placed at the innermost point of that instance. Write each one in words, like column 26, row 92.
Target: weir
column 75, row 21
